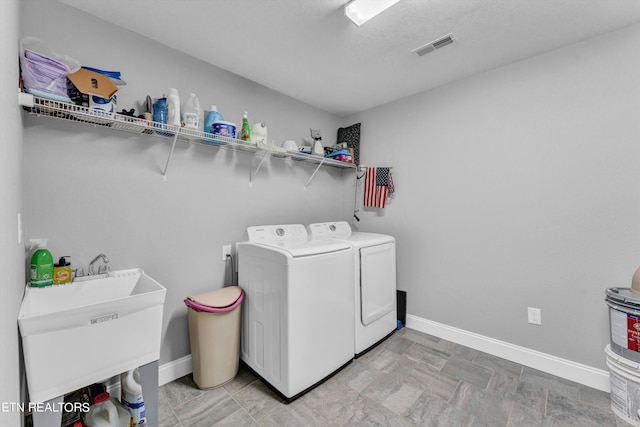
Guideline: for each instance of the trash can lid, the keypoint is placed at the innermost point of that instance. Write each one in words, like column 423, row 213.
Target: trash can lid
column 224, row 299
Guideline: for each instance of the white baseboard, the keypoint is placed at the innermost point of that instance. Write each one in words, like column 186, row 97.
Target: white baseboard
column 577, row 372
column 175, row 369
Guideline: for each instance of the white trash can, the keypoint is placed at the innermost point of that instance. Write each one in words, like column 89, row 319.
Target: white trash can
column 214, row 333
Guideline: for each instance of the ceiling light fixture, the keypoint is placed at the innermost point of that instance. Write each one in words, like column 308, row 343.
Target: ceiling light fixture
column 360, row 11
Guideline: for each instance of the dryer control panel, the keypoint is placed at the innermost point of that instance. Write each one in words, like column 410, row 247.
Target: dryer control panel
column 339, row 229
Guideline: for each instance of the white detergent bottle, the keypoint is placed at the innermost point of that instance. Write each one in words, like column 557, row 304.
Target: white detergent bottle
column 191, row 114
column 132, row 397
column 173, row 108
column 105, row 412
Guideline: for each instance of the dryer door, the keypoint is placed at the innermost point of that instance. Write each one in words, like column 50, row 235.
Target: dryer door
column 377, row 281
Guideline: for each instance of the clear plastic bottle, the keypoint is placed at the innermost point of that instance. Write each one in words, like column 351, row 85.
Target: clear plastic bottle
column 191, row 114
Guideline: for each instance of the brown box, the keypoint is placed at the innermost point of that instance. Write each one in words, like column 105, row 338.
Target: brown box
column 83, row 84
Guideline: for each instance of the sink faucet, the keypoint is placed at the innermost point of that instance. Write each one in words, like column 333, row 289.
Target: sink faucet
column 105, row 260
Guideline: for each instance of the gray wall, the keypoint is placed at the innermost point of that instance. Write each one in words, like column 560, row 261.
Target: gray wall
column 11, row 250
column 518, row 187
column 92, row 190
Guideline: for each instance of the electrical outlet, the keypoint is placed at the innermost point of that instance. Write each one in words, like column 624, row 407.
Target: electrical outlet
column 534, row 315
column 226, row 250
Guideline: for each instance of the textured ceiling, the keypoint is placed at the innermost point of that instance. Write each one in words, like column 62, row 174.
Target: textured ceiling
column 310, row 51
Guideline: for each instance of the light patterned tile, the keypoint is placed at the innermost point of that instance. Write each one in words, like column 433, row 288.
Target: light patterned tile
column 243, row 379
column 330, row 401
column 257, row 399
column 457, row 350
column 486, row 407
column 388, row 362
column 371, row 355
column 531, row 396
column 382, row 387
column 392, row 385
column 419, row 337
column 397, row 344
column 432, row 381
column 550, row 382
column 166, row 416
column 569, row 410
column 402, row 399
column 595, row 397
column 503, row 384
column 181, row 390
column 498, row 364
column 365, row 412
column 467, row 372
column 239, row 418
column 207, row 409
column 434, row 412
column 428, row 355
column 522, row 416
column 357, row 375
column 295, row 414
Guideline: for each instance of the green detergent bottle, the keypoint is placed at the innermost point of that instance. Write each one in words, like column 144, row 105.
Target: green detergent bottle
column 245, row 133
column 41, row 264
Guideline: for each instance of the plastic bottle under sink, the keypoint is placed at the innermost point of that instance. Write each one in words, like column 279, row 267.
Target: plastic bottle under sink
column 107, row 412
column 132, row 398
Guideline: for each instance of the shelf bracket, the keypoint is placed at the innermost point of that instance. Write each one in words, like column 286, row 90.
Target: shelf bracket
column 252, row 174
column 314, row 173
column 166, row 166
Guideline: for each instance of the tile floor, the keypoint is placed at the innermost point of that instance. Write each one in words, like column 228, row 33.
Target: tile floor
column 411, row 379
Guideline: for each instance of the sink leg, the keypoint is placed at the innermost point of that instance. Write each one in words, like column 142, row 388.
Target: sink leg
column 49, row 418
column 150, row 387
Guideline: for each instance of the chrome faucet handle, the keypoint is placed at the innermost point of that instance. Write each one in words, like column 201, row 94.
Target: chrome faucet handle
column 104, row 269
column 105, row 260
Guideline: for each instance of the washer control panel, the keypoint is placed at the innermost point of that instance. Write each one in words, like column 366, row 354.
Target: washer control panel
column 275, row 234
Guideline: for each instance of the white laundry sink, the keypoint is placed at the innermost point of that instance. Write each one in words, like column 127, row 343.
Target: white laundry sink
column 76, row 334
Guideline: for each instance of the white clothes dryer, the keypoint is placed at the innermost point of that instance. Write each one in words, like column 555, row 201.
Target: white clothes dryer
column 299, row 304
column 374, row 281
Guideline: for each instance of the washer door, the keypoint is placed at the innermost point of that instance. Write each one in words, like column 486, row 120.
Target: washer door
column 377, row 281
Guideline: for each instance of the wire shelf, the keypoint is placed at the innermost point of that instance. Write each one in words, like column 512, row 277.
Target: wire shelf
column 76, row 113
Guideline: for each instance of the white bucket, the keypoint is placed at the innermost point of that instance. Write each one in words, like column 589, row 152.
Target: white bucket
column 624, row 377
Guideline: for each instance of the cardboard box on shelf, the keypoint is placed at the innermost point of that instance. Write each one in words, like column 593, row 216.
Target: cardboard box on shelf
column 92, row 90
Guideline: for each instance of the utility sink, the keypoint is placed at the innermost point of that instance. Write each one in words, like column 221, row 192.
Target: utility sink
column 87, row 331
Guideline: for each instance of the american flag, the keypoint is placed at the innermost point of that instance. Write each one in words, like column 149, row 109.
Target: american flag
column 376, row 183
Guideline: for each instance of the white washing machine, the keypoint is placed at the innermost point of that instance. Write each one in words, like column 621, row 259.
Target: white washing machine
column 299, row 303
column 374, row 279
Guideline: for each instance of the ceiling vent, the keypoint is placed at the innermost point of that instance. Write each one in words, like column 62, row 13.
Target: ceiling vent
column 434, row 45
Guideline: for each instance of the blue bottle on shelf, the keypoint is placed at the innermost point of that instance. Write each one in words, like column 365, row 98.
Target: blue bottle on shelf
column 160, row 116
column 212, row 115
